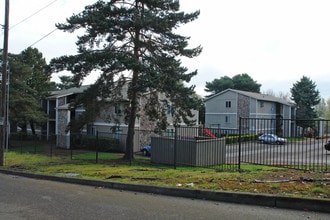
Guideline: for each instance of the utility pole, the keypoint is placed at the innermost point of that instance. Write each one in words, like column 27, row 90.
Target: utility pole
column 4, row 86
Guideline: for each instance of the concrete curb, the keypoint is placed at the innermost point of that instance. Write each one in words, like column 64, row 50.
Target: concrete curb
column 317, row 205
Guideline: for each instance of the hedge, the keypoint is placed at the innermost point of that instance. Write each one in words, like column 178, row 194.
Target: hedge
column 244, row 138
column 90, row 142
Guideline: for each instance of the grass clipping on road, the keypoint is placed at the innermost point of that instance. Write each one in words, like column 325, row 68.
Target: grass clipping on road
column 252, row 178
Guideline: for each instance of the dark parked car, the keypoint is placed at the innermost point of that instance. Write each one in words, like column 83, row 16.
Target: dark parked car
column 327, row 145
column 146, row 150
column 271, row 139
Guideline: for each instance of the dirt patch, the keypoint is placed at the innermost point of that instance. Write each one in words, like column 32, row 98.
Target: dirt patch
column 294, row 175
column 20, row 168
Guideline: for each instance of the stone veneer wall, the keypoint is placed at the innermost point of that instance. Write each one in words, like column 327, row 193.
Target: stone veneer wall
column 243, row 106
column 145, row 126
column 243, row 110
column 61, row 101
column 63, row 138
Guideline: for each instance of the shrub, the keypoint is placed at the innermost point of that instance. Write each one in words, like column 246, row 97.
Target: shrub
column 244, row 138
column 90, row 142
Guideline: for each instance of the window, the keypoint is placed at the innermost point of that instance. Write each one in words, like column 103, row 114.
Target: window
column 227, row 119
column 117, row 109
column 228, row 104
column 262, row 104
column 92, row 131
column 170, row 132
column 170, row 110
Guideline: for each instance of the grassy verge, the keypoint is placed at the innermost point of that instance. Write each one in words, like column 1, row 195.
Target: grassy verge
column 111, row 167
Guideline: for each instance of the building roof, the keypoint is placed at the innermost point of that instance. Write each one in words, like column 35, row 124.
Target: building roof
column 257, row 96
column 66, row 92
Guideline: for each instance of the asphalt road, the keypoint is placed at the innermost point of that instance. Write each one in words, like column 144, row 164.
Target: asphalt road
column 310, row 152
column 25, row 198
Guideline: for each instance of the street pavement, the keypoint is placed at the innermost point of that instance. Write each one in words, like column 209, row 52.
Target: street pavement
column 31, row 198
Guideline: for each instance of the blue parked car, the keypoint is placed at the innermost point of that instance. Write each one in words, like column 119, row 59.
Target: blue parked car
column 146, row 150
column 271, row 139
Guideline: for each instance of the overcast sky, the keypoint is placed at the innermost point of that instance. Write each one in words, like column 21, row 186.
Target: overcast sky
column 276, row 42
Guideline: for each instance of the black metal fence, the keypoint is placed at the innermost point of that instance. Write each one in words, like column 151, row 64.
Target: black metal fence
column 297, row 145
column 271, row 142
column 29, row 143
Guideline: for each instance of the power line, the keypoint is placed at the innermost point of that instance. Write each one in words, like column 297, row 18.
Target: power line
column 43, row 8
column 33, row 14
column 30, row 16
column 43, row 37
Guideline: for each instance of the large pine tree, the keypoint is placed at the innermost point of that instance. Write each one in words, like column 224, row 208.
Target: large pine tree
column 135, row 40
column 240, row 82
column 306, row 97
column 29, row 83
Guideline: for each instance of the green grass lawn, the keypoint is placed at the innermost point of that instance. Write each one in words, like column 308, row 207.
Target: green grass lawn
column 111, row 167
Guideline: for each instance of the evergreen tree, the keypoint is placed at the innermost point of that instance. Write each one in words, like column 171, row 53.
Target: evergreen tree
column 321, row 108
column 29, row 84
column 219, row 85
column 246, row 83
column 134, row 42
column 240, row 82
column 66, row 82
column 306, row 97
column 327, row 110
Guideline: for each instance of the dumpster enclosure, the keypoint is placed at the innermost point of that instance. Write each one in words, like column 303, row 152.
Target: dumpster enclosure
column 188, row 152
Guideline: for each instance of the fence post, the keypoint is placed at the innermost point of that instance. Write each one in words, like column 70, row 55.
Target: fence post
column 51, row 145
column 175, row 145
column 21, row 142
column 71, row 147
column 96, row 147
column 35, row 143
column 239, row 142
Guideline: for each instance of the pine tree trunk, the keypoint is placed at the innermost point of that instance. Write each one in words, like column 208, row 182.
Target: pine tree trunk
column 133, row 94
column 132, row 117
column 131, row 125
column 32, row 128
